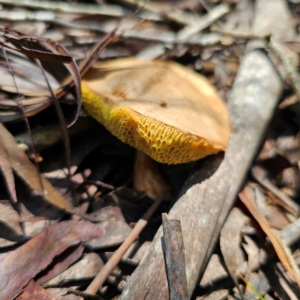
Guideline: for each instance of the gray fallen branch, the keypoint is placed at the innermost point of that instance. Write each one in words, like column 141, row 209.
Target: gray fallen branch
column 203, row 208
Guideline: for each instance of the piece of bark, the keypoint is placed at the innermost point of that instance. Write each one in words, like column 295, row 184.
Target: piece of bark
column 205, row 206
column 173, row 248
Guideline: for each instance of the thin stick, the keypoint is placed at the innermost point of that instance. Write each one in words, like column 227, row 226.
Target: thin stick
column 174, row 254
column 116, row 257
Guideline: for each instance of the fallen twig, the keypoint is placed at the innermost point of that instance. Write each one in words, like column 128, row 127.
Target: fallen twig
column 174, row 258
column 116, row 257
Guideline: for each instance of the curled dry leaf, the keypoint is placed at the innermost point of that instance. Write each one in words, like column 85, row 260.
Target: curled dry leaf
column 18, row 267
column 161, row 108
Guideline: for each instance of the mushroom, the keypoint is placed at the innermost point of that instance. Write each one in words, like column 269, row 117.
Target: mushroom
column 167, row 111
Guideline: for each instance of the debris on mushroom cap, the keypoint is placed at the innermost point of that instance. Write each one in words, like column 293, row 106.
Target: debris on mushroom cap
column 171, row 113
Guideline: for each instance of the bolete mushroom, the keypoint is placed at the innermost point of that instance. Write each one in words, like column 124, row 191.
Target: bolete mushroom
column 161, row 108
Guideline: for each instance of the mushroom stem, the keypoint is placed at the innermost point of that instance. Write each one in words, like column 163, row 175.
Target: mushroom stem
column 148, row 177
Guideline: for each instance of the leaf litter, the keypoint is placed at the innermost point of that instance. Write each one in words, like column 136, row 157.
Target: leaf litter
column 219, row 60
column 39, row 252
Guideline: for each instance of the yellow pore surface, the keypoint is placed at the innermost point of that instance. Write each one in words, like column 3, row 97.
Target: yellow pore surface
column 162, row 142
column 160, row 108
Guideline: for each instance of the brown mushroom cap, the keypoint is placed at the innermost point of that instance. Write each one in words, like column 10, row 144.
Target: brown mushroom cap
column 171, row 113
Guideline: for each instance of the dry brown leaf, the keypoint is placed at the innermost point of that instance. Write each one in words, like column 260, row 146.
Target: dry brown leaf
column 230, row 243
column 256, row 284
column 115, row 226
column 33, row 291
column 11, row 231
column 171, row 113
column 29, row 174
column 85, row 269
column 28, row 78
column 281, row 250
column 31, row 107
column 216, row 295
column 18, row 267
column 43, row 49
column 215, row 272
column 254, row 255
column 7, row 213
column 60, row 263
column 7, row 171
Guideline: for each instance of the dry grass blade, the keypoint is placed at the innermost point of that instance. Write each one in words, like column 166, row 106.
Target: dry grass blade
column 76, row 8
column 29, row 174
column 188, row 32
column 282, row 252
